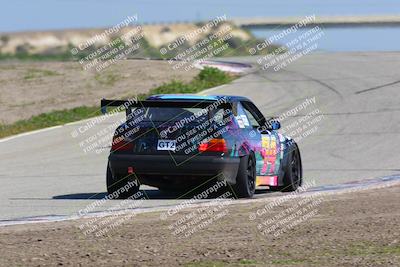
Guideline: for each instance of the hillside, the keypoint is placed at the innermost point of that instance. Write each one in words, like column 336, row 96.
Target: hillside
column 58, row 44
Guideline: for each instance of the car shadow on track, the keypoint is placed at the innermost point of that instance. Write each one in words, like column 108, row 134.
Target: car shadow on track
column 210, row 189
column 150, row 194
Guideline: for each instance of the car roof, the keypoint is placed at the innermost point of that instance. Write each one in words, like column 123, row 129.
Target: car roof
column 230, row 98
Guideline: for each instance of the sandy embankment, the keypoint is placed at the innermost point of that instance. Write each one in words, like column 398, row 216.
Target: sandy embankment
column 31, row 88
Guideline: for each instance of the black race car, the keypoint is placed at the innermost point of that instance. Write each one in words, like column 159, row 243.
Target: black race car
column 174, row 142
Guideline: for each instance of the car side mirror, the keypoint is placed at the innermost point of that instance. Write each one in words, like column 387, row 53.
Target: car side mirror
column 275, row 125
column 269, row 125
column 104, row 110
column 272, row 124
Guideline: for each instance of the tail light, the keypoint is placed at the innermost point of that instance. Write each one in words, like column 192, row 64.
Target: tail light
column 120, row 144
column 214, row 145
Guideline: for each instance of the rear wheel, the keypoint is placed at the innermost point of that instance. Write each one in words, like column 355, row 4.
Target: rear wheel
column 246, row 178
column 293, row 173
column 121, row 187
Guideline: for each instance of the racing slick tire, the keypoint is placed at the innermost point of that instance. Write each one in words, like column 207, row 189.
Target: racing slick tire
column 120, row 187
column 293, row 172
column 246, row 177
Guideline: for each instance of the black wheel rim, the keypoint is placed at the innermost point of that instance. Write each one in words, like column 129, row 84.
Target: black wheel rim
column 295, row 166
column 251, row 175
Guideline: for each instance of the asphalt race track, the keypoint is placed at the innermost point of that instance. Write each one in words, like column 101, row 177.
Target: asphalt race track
column 357, row 138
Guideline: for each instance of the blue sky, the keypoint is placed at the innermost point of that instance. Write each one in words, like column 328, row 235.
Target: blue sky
column 19, row 15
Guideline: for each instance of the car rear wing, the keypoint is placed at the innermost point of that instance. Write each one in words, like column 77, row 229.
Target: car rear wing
column 130, row 103
column 120, row 104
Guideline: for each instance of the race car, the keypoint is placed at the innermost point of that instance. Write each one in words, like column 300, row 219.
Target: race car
column 178, row 141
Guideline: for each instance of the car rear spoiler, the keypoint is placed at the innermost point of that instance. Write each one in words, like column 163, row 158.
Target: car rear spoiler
column 129, row 103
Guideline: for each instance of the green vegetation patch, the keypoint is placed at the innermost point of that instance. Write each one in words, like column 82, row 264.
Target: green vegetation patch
column 38, row 73
column 364, row 249
column 49, row 119
column 107, row 78
column 207, row 78
column 206, row 264
column 242, row 262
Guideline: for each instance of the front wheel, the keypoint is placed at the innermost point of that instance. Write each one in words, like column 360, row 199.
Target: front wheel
column 246, row 177
column 121, row 187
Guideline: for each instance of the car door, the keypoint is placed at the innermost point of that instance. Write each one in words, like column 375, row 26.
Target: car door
column 267, row 142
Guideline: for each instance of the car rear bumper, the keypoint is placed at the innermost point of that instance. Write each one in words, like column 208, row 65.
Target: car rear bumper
column 177, row 168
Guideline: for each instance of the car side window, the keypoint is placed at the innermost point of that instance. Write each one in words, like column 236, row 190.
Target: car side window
column 252, row 120
column 255, row 116
column 241, row 117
